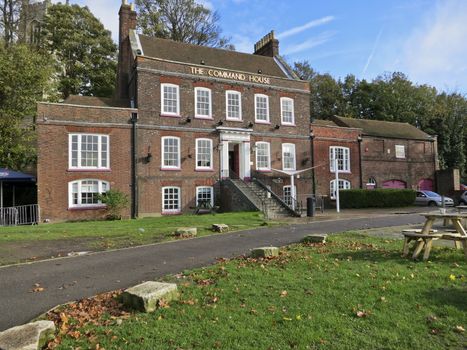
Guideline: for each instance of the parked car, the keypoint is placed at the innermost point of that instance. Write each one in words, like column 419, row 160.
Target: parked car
column 432, row 199
column 463, row 199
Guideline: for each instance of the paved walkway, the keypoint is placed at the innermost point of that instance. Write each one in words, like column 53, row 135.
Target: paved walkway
column 70, row 279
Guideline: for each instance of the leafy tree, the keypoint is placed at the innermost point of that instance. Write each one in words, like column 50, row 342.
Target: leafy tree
column 116, row 201
column 83, row 48
column 24, row 79
column 181, row 20
column 9, row 20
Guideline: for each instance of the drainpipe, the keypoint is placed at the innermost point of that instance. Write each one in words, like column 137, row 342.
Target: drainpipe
column 134, row 186
column 313, row 179
column 360, row 160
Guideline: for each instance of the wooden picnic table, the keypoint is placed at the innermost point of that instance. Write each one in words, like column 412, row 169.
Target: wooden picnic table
column 426, row 235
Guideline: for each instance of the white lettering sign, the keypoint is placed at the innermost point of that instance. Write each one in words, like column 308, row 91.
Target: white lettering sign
column 230, row 75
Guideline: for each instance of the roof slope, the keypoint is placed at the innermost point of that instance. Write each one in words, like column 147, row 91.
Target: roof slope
column 383, row 128
column 219, row 58
column 96, row 101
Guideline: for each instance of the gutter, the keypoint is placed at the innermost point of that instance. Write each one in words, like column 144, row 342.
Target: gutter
column 134, row 185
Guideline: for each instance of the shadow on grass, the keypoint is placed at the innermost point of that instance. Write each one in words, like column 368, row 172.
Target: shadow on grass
column 453, row 296
column 441, row 255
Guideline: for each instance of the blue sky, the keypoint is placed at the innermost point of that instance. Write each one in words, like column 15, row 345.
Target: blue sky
column 426, row 39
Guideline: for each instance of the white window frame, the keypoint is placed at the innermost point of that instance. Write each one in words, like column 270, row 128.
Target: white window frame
column 262, row 121
column 284, row 145
column 284, row 99
column 79, row 152
column 171, row 167
column 233, row 92
column 287, row 199
column 179, row 200
column 163, row 112
column 211, row 189
column 203, row 116
column 79, row 183
column 345, row 168
column 197, row 156
column 400, row 151
column 346, row 185
column 268, row 167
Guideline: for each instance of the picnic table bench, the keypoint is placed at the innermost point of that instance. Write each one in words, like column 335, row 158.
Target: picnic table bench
column 424, row 237
column 205, row 206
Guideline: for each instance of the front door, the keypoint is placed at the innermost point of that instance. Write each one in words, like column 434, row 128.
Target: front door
column 234, row 161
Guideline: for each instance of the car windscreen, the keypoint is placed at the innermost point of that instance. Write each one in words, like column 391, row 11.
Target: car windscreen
column 432, row 194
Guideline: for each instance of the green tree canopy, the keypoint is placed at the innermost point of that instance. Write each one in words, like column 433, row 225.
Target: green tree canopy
column 83, row 48
column 181, row 20
column 25, row 77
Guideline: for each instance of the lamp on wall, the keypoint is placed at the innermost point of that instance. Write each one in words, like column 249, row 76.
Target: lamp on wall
column 148, row 157
column 220, row 122
column 188, row 120
column 277, row 127
column 250, row 124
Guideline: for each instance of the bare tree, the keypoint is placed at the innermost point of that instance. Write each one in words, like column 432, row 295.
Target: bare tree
column 9, row 20
column 181, row 20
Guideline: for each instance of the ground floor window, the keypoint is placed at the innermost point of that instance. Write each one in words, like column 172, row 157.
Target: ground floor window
column 204, row 195
column 287, row 192
column 343, row 185
column 171, row 199
column 85, row 193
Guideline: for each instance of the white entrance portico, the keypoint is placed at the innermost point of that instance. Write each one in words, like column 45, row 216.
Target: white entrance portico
column 234, row 152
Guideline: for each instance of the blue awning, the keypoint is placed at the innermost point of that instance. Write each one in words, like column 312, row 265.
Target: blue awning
column 7, row 175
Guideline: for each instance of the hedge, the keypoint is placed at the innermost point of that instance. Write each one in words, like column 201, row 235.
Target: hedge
column 376, row 198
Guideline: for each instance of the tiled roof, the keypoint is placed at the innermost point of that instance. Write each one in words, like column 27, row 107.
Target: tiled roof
column 96, row 101
column 323, row 122
column 212, row 57
column 383, row 128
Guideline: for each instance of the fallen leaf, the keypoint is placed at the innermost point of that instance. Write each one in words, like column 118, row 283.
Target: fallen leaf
column 459, row 329
column 361, row 314
column 452, row 277
column 284, row 293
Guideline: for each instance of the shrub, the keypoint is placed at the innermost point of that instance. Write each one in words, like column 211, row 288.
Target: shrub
column 376, row 198
column 116, row 201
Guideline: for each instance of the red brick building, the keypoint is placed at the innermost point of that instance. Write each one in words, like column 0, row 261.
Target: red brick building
column 372, row 154
column 200, row 116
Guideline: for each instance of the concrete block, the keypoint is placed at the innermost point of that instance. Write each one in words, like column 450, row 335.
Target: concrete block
column 220, row 228
column 186, row 232
column 265, row 252
column 315, row 238
column 145, row 296
column 31, row 336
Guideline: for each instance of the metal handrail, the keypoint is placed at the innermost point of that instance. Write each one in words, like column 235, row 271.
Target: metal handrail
column 20, row 215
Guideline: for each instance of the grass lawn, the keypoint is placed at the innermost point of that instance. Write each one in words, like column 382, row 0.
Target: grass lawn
column 355, row 292
column 23, row 243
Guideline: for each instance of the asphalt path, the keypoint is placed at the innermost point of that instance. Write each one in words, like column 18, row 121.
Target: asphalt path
column 73, row 278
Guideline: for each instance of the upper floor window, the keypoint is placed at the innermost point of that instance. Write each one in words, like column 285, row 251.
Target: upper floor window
column 288, row 156
column 85, row 193
column 233, row 105
column 88, row 151
column 342, row 154
column 170, row 99
column 400, row 151
column 287, row 111
column 203, row 103
column 170, row 152
column 203, row 154
column 261, row 108
column 204, row 196
column 263, row 156
column 171, row 199
column 343, row 185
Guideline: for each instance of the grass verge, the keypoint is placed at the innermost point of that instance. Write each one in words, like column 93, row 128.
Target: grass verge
column 355, row 292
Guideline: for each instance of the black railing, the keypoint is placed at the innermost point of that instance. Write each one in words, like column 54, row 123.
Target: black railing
column 275, row 186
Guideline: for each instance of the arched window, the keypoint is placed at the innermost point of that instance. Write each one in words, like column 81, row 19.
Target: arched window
column 85, row 192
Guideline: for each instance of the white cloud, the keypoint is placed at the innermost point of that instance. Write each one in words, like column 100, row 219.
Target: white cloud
column 299, row 29
column 436, row 52
column 309, row 44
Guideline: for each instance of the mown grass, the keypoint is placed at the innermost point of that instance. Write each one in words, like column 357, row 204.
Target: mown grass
column 137, row 231
column 355, row 292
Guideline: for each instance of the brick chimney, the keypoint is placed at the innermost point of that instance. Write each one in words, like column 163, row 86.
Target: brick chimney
column 127, row 15
column 267, row 46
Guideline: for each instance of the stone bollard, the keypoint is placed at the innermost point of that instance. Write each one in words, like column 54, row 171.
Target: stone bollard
column 31, row 336
column 146, row 296
column 220, row 228
column 315, row 238
column 186, row 232
column 265, row 252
